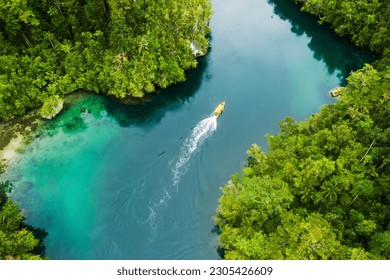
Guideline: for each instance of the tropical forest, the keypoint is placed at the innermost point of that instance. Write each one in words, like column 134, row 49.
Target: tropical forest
column 108, row 149
column 322, row 190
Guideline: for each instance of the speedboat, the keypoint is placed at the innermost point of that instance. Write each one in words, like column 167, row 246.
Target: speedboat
column 218, row 111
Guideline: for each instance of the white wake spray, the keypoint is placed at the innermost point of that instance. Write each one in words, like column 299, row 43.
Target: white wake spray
column 191, row 145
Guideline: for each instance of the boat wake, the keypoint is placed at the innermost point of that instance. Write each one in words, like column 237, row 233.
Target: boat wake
column 191, row 145
column 153, row 210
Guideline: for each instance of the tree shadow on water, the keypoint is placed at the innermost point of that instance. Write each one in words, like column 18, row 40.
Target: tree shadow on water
column 151, row 109
column 147, row 111
column 220, row 251
column 337, row 53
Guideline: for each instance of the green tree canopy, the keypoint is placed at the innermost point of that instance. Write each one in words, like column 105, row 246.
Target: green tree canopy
column 334, row 167
column 16, row 241
column 124, row 48
column 366, row 22
column 322, row 190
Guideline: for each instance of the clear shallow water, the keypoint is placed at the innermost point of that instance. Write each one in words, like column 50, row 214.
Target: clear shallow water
column 142, row 181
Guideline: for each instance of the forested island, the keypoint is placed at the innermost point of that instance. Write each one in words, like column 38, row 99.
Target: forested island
column 121, row 48
column 125, row 49
column 322, row 189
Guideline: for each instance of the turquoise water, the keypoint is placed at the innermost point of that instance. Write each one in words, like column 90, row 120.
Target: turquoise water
column 143, row 181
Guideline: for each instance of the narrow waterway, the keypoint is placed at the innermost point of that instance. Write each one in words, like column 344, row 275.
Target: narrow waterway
column 143, row 181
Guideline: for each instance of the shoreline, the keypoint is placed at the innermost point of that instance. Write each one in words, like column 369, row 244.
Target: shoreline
column 14, row 135
column 11, row 152
column 18, row 131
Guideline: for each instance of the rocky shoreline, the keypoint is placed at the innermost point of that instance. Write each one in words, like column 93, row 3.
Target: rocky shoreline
column 18, row 131
column 14, row 134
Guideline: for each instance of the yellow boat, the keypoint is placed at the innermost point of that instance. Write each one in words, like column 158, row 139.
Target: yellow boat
column 218, row 111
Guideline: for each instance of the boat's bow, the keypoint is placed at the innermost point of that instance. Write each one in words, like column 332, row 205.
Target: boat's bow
column 218, row 111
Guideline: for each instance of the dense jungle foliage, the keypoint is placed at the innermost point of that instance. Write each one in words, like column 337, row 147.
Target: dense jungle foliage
column 17, row 241
column 124, row 48
column 367, row 22
column 322, row 191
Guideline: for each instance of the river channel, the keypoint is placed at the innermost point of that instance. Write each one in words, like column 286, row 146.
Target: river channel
column 142, row 181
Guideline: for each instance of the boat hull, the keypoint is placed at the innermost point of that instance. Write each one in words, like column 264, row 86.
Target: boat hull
column 218, row 111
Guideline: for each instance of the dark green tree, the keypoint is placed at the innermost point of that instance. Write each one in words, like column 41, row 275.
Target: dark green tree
column 366, row 22
column 16, row 241
column 124, row 48
column 322, row 189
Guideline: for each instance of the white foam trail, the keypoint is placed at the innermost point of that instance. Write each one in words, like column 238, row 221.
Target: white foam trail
column 191, row 144
column 153, row 209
